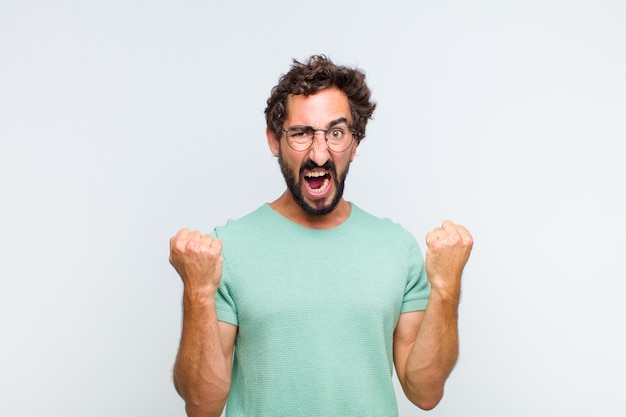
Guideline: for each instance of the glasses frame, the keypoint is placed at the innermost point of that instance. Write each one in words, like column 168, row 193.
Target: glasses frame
column 353, row 134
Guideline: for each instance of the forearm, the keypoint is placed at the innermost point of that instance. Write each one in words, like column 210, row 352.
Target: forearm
column 435, row 351
column 201, row 371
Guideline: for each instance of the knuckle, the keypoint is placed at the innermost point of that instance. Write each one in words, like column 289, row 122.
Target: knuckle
column 178, row 246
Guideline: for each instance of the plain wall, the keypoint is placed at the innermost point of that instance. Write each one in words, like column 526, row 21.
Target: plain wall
column 122, row 122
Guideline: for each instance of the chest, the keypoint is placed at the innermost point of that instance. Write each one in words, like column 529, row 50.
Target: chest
column 318, row 287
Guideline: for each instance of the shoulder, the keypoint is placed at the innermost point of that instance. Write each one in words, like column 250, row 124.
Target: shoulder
column 251, row 221
column 383, row 226
column 262, row 229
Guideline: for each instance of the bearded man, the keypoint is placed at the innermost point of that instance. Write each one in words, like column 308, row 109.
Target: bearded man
column 305, row 306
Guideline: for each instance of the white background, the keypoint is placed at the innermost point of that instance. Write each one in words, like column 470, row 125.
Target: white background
column 123, row 121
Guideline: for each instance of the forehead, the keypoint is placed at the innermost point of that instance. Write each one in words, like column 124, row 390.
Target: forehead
column 318, row 109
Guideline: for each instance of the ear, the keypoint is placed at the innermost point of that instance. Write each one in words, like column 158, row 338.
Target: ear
column 272, row 141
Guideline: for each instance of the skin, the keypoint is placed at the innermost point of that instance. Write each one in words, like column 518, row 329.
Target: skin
column 202, row 371
column 425, row 342
column 317, row 110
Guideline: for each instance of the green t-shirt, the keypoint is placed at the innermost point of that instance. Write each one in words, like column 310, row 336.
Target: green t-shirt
column 316, row 311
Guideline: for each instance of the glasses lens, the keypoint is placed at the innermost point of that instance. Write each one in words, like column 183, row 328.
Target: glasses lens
column 299, row 137
column 338, row 138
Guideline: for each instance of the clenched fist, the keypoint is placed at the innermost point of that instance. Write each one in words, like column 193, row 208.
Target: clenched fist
column 197, row 259
column 449, row 248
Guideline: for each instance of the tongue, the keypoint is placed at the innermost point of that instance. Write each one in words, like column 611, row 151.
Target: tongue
column 316, row 182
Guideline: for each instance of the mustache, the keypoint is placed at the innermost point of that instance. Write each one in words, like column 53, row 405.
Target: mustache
column 309, row 165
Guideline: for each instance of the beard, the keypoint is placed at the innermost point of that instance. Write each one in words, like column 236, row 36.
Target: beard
column 294, row 185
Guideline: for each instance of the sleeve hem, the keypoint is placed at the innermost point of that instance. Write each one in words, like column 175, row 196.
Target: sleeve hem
column 227, row 317
column 417, row 305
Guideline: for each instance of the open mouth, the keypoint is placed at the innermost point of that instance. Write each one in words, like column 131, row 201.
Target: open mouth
column 317, row 181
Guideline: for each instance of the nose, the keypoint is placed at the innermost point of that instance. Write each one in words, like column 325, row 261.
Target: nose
column 319, row 152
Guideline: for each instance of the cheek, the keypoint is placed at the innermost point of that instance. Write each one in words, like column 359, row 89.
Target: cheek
column 342, row 163
column 350, row 153
column 294, row 162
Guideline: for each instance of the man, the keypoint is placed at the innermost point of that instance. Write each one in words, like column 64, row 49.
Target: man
column 303, row 307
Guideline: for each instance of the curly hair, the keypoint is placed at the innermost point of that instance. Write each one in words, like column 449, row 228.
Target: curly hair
column 316, row 74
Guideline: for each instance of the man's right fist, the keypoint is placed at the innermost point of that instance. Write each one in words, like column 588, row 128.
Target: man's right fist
column 197, row 259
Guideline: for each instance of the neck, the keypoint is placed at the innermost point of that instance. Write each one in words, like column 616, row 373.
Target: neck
column 288, row 208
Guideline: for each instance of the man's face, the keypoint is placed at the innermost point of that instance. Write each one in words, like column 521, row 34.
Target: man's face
column 315, row 177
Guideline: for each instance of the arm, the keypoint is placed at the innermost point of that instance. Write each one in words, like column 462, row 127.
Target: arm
column 202, row 370
column 426, row 343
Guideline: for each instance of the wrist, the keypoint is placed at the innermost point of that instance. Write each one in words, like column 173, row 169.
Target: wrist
column 203, row 295
column 447, row 293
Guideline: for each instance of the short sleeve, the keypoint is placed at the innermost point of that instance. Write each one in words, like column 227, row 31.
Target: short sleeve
column 417, row 288
column 225, row 305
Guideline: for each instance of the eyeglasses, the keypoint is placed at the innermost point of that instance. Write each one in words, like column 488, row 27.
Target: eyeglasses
column 338, row 138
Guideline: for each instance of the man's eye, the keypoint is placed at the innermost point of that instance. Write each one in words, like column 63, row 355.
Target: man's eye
column 336, row 134
column 298, row 133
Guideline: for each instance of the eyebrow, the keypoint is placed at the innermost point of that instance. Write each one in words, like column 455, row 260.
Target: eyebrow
column 331, row 124
column 338, row 121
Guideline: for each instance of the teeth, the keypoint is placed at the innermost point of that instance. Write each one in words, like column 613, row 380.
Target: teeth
column 315, row 174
